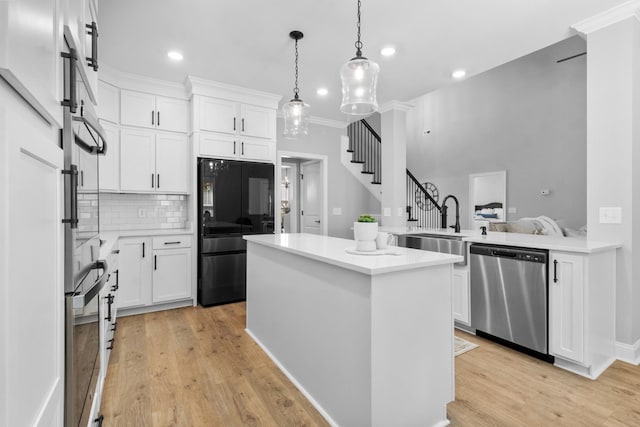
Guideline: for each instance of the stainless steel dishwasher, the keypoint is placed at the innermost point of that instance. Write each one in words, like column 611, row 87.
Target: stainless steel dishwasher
column 509, row 296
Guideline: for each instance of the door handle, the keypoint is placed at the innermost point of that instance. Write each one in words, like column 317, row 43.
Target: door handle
column 73, row 196
column 234, row 145
column 158, row 121
column 158, row 186
column 153, row 116
column 71, row 102
column 155, row 262
column 142, row 249
column 555, row 271
column 243, row 124
column 93, row 31
column 234, row 125
column 152, row 181
column 242, row 147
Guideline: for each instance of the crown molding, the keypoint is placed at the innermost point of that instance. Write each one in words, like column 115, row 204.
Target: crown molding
column 130, row 81
column 608, row 17
column 199, row 86
column 395, row 105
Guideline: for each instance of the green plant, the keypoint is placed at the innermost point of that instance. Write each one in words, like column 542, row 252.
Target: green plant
column 366, row 218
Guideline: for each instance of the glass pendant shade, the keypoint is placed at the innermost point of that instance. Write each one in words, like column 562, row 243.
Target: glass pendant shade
column 359, row 80
column 296, row 118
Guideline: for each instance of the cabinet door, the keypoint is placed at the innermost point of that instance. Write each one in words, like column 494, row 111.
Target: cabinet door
column 217, row 146
column 566, row 311
column 172, row 163
column 257, row 121
column 137, row 109
column 90, row 16
column 256, row 149
column 137, row 160
column 108, row 102
column 134, row 272
column 171, row 274
column 461, row 295
column 31, row 42
column 217, row 115
column 110, row 162
column 172, row 114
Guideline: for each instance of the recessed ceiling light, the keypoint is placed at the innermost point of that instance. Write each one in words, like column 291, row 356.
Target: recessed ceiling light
column 458, row 74
column 176, row 56
column 388, row 51
column 322, row 91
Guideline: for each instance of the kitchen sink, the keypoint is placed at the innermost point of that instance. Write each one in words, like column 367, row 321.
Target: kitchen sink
column 436, row 243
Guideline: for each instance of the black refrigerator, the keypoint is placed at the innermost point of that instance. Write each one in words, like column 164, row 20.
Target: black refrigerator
column 234, row 199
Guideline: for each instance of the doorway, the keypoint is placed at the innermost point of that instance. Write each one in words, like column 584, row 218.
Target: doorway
column 303, row 193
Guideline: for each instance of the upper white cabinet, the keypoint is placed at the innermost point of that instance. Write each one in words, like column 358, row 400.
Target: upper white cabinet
column 219, row 115
column 154, row 112
column 108, row 102
column 234, row 147
column 30, row 46
column 82, row 19
column 153, row 161
column 110, row 162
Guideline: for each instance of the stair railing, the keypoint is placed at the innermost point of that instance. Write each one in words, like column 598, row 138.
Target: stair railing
column 422, row 209
column 364, row 144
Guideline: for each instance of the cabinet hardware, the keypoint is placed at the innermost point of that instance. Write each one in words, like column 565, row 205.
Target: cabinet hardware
column 114, row 324
column 317, row 221
column 242, row 149
column 234, row 125
column 555, row 271
column 155, row 262
column 153, row 116
column 73, row 196
column 115, row 251
column 152, row 180
column 142, row 249
column 93, row 31
column 172, row 243
column 109, row 302
column 71, row 102
column 110, row 345
column 99, row 420
column 243, row 125
column 158, row 121
column 234, row 147
column 158, row 186
column 81, row 178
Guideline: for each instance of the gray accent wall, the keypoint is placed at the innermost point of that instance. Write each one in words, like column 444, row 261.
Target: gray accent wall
column 345, row 192
column 527, row 117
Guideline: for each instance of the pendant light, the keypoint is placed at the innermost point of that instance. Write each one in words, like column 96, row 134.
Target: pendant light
column 359, row 79
column 296, row 112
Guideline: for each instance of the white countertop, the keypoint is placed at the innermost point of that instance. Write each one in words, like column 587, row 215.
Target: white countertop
column 110, row 237
column 536, row 241
column 332, row 250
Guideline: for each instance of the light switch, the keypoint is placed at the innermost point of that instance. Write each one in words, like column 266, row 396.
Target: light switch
column 611, row 215
column 141, row 213
column 387, row 211
column 337, row 211
column 512, row 210
column 400, row 212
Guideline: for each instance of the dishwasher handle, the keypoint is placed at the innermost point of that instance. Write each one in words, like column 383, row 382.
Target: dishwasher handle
column 504, row 254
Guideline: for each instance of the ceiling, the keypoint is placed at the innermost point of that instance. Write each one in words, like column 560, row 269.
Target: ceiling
column 246, row 42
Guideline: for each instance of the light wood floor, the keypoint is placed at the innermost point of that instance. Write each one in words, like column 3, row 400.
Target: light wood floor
column 197, row 367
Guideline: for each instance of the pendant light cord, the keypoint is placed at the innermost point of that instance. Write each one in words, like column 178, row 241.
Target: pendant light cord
column 295, row 89
column 359, row 43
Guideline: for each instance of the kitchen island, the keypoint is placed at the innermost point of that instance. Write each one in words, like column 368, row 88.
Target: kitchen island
column 368, row 339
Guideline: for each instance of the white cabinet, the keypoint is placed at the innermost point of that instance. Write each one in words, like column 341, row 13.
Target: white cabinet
column 171, row 268
column 110, row 162
column 234, row 147
column 31, row 42
column 80, row 17
column 154, row 270
column 108, row 102
column 222, row 116
column 155, row 112
column 135, row 263
column 153, row 161
column 566, row 311
column 461, row 308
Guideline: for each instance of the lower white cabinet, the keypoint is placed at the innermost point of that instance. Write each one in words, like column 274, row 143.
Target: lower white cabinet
column 582, row 310
column 154, row 270
column 461, row 308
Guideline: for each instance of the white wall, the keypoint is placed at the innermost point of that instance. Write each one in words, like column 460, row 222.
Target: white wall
column 527, row 117
column 344, row 191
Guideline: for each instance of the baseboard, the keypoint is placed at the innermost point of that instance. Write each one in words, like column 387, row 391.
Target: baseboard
column 295, row 382
column 628, row 353
column 132, row 311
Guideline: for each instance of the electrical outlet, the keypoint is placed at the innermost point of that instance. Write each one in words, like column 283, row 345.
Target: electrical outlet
column 611, row 215
column 141, row 213
column 337, row 211
column 512, row 210
column 387, row 211
column 400, row 212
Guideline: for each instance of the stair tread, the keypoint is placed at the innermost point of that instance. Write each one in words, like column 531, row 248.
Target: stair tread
column 357, row 161
column 376, row 182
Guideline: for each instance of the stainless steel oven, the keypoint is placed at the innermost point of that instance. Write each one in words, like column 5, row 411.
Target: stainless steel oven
column 85, row 274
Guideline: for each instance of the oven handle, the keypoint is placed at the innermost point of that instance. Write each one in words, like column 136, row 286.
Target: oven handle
column 81, row 300
column 90, row 122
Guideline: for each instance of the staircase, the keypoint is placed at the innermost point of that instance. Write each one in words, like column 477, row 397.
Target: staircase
column 362, row 156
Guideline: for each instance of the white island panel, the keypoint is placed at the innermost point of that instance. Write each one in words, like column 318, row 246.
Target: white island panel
column 366, row 349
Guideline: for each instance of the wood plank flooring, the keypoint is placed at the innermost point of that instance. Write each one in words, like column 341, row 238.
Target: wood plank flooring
column 197, row 367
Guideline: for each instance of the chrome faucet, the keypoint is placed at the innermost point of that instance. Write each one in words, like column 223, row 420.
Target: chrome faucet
column 444, row 213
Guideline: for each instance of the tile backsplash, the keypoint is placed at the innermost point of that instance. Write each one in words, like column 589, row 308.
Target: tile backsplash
column 142, row 211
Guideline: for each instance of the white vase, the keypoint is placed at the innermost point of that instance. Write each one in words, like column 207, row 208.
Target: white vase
column 365, row 234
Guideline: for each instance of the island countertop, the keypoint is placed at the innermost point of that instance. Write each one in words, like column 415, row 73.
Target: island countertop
column 332, row 250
